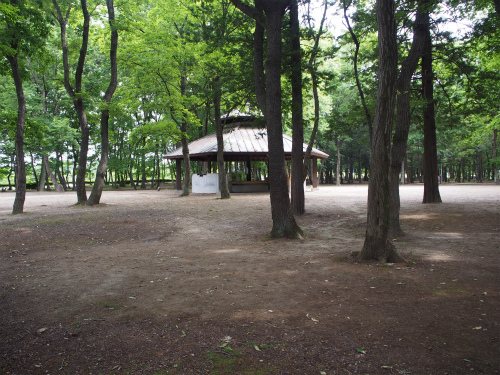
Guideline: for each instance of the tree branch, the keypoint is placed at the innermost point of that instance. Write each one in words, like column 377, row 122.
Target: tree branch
column 250, row 11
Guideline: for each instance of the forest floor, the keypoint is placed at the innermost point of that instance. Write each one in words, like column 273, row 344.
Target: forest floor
column 151, row 283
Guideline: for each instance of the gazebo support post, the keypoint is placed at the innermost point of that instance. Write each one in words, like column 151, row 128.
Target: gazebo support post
column 249, row 169
column 178, row 172
column 315, row 173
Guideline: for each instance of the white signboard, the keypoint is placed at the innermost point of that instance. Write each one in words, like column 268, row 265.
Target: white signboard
column 206, row 184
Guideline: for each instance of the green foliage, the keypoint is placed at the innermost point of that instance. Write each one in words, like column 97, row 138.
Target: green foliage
column 156, row 132
column 23, row 29
column 209, row 46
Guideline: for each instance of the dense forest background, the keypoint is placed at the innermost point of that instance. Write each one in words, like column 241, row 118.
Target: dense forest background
column 175, row 60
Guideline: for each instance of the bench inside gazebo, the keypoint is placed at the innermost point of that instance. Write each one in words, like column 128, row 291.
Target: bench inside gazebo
column 245, row 140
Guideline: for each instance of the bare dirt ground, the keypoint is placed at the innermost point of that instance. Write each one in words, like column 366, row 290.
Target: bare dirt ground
column 150, row 283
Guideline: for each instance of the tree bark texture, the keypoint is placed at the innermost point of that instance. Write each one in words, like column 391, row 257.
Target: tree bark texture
column 339, row 161
column 431, row 182
column 185, row 147
column 76, row 93
column 400, row 137
column 494, row 166
column 368, row 115
column 297, row 182
column 219, row 129
column 43, row 177
column 259, row 75
column 284, row 224
column 95, row 195
column 376, row 244
column 57, row 186
column 59, row 171
column 312, row 67
column 20, row 168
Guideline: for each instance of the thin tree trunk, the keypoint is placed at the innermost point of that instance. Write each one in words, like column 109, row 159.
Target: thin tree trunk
column 339, row 161
column 431, row 183
column 57, row 186
column 131, row 174
column 143, row 169
column 33, row 168
column 95, row 195
column 43, row 176
column 298, row 162
column 75, row 93
column 377, row 246
column 312, row 66
column 368, row 115
column 259, row 74
column 219, row 129
column 61, row 177
column 20, row 167
column 359, row 167
column 493, row 156
column 400, row 138
column 185, row 147
column 11, row 169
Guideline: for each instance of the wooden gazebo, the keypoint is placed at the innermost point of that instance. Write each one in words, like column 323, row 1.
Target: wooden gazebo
column 245, row 140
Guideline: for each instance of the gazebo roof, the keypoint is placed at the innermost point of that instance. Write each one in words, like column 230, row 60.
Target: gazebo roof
column 242, row 140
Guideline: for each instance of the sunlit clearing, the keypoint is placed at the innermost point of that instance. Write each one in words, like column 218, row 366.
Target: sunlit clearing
column 226, row 251
column 450, row 235
column 439, row 257
column 419, row 217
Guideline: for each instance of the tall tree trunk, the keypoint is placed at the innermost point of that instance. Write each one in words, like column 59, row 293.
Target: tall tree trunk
column 359, row 166
column 185, row 147
column 479, row 167
column 431, row 182
column 219, row 130
column 143, row 169
column 57, row 186
column 60, row 175
column 493, row 156
column 75, row 93
column 312, row 67
column 95, row 195
column 400, row 138
column 339, row 161
column 376, row 245
column 43, row 176
column 298, row 175
column 368, row 115
column 74, row 171
column 132, row 182
column 11, row 169
column 33, row 168
column 158, row 167
column 20, row 167
column 259, row 74
column 284, row 224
